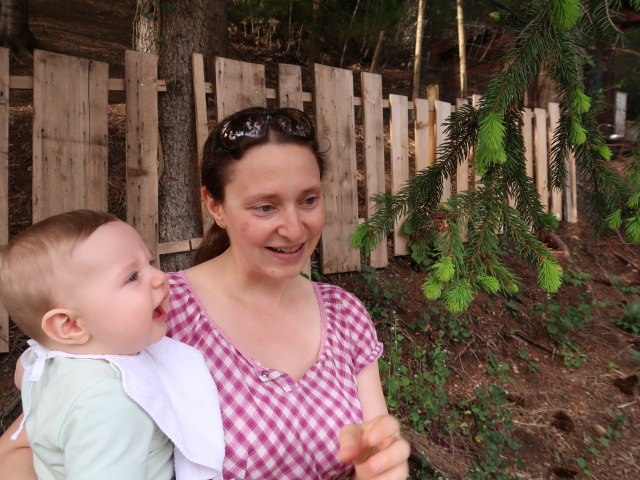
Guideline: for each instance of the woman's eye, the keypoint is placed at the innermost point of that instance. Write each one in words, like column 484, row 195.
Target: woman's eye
column 311, row 200
column 264, row 208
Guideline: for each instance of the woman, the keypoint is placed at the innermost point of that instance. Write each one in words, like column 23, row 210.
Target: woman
column 294, row 361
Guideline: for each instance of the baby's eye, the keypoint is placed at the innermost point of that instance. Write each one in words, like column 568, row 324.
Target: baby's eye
column 133, row 277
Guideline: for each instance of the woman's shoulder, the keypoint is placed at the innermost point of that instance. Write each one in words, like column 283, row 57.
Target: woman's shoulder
column 337, row 298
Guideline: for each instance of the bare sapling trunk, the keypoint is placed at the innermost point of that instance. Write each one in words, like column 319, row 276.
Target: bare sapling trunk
column 462, row 51
column 417, row 63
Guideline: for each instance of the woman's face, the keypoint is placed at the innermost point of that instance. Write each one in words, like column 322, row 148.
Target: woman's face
column 273, row 209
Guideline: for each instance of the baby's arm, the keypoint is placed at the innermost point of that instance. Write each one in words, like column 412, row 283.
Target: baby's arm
column 17, row 376
column 16, row 461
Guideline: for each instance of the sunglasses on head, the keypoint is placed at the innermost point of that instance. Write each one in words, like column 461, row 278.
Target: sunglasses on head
column 254, row 123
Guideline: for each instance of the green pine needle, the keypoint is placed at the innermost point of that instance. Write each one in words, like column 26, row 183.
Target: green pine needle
column 549, row 221
column 632, row 228
column 443, row 269
column 636, row 5
column 458, row 298
column 614, row 221
column 577, row 133
column 581, row 102
column 565, row 13
column 549, row 275
column 604, row 151
column 432, row 288
column 490, row 149
column 489, row 283
column 634, row 201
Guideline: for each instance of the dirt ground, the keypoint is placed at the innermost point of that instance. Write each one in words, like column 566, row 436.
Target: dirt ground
column 558, row 409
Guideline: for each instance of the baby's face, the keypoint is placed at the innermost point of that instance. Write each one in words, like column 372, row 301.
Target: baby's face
column 116, row 292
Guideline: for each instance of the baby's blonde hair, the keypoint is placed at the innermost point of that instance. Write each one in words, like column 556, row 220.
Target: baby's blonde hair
column 28, row 263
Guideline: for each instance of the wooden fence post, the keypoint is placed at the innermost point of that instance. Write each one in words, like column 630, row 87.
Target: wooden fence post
column 335, row 119
column 202, row 123
column 373, row 131
column 4, row 179
column 141, row 74
column 443, row 112
column 239, row 85
column 399, row 132
column 290, row 96
column 553, row 111
column 541, row 155
column 70, row 100
column 423, row 136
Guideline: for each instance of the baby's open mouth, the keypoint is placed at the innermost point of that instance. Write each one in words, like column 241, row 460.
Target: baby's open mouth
column 158, row 311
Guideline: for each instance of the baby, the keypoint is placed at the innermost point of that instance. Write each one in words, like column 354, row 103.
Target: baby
column 105, row 394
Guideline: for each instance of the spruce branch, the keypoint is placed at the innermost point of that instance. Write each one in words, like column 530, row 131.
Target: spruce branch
column 464, row 232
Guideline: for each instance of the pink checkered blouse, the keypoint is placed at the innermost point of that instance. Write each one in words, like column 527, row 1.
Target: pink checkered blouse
column 276, row 428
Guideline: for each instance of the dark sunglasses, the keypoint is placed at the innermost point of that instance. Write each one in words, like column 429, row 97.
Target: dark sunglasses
column 254, row 123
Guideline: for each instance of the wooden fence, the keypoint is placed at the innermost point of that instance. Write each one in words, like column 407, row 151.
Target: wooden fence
column 70, row 99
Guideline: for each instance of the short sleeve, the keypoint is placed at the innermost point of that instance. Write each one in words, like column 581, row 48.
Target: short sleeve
column 355, row 324
column 106, row 435
column 367, row 346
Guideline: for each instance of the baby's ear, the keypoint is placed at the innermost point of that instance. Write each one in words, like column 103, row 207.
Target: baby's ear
column 61, row 325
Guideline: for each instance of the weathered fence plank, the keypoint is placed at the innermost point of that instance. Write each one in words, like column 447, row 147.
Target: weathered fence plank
column 142, row 145
column 238, row 85
column 553, row 111
column 475, row 102
column 335, row 121
column 541, row 155
column 462, row 171
column 527, row 136
column 443, row 112
column 70, row 101
column 399, row 163
column 423, row 136
column 620, row 113
column 4, row 179
column 201, row 121
column 290, row 86
column 373, row 131
column 290, row 96
column 571, row 191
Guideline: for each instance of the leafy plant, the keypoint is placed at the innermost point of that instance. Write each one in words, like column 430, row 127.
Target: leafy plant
column 380, row 296
column 630, row 320
column 624, row 289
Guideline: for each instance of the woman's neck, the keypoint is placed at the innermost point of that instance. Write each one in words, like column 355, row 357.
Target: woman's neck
column 241, row 280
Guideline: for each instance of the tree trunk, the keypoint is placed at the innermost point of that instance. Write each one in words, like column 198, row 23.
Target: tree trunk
column 14, row 26
column 195, row 26
column 146, row 26
column 418, row 51
column 462, row 51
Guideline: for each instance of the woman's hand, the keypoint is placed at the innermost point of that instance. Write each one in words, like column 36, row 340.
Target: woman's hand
column 376, row 448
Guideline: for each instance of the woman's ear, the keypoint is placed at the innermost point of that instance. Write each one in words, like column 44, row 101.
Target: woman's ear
column 61, row 325
column 214, row 207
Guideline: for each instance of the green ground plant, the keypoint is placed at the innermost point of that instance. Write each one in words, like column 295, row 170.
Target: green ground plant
column 630, row 320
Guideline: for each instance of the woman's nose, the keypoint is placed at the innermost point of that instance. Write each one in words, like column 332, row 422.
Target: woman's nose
column 291, row 226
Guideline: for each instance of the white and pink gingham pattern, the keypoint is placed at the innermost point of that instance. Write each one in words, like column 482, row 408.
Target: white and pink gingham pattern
column 276, row 428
